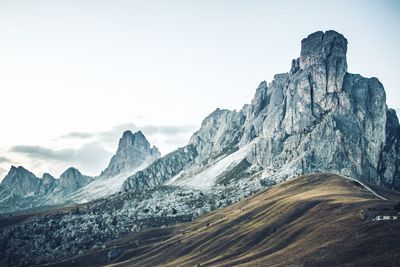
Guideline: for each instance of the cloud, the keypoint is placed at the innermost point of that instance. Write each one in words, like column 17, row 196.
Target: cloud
column 44, row 153
column 176, row 140
column 119, row 129
column 169, row 130
column 94, row 154
column 176, row 134
column 4, row 160
column 90, row 158
column 81, row 135
column 3, row 173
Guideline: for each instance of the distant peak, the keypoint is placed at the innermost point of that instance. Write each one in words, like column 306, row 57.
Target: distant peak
column 47, row 176
column 128, row 134
column 132, row 139
column 133, row 150
column 18, row 169
column 69, row 171
column 19, row 175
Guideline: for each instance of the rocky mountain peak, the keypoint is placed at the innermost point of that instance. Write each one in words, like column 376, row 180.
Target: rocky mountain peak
column 18, row 175
column 72, row 179
column 136, row 139
column 315, row 118
column 323, row 46
column 323, row 57
column 47, row 184
column 20, row 181
column 47, row 178
column 133, row 150
column 70, row 173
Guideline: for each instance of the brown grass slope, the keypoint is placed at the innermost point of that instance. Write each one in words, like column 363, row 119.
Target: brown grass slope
column 308, row 221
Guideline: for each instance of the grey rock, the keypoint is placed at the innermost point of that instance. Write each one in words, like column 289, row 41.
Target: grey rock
column 20, row 181
column 315, row 118
column 161, row 170
column 47, row 184
column 21, row 189
column 71, row 180
column 133, row 150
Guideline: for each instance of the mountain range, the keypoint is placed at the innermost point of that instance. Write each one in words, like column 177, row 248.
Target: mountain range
column 317, row 121
column 315, row 118
column 21, row 189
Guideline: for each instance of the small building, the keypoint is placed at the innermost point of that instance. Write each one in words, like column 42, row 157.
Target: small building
column 385, row 218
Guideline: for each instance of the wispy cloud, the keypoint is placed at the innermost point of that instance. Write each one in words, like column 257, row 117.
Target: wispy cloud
column 3, row 173
column 4, row 160
column 77, row 135
column 94, row 153
column 109, row 135
column 44, row 153
column 166, row 137
column 89, row 157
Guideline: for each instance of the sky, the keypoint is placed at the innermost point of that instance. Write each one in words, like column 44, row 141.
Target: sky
column 75, row 74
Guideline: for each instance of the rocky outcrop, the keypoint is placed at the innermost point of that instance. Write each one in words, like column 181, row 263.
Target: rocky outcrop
column 20, row 181
column 133, row 150
column 318, row 117
column 133, row 155
column 71, row 180
column 47, row 184
column 161, row 170
column 315, row 118
column 389, row 162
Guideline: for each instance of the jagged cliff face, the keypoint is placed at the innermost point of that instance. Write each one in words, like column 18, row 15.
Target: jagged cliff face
column 71, row 180
column 134, row 153
column 318, row 117
column 21, row 189
column 133, row 150
column 315, row 118
column 20, row 181
column 48, row 184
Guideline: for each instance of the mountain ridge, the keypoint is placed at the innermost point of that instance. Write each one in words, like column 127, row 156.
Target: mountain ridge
column 315, row 121
column 315, row 118
column 23, row 188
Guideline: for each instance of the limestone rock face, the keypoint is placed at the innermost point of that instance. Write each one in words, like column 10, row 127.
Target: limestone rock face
column 20, row 181
column 219, row 134
column 134, row 153
column 133, row 150
column 71, row 180
column 323, row 57
column 161, row 170
column 315, row 118
column 47, row 184
column 21, row 189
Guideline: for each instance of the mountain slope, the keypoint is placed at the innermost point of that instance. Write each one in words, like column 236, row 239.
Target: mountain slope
column 133, row 155
column 315, row 118
column 309, row 221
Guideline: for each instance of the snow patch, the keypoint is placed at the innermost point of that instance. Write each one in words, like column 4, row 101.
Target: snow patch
column 207, row 178
column 104, row 186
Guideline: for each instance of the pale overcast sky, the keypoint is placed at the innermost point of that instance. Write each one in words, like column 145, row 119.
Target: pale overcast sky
column 75, row 74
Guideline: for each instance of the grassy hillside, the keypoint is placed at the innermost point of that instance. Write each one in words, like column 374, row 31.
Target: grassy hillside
column 309, row 221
